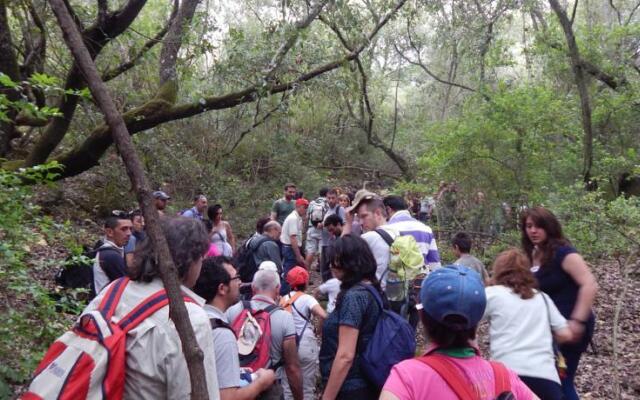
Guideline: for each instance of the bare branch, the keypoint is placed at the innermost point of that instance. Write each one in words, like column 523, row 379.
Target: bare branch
column 173, row 40
column 633, row 11
column 124, row 67
column 613, row 6
column 103, row 10
column 257, row 122
column 575, row 8
column 278, row 57
column 578, row 73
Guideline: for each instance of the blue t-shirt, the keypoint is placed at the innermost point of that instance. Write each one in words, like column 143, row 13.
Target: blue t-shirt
column 357, row 309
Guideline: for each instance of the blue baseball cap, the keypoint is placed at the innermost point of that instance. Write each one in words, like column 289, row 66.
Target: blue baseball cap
column 454, row 290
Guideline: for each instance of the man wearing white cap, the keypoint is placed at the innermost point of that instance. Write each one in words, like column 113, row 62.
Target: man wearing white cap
column 283, row 349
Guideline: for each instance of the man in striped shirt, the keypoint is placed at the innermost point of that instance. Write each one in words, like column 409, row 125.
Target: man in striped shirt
column 401, row 220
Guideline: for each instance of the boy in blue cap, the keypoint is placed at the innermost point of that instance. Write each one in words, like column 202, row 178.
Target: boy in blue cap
column 453, row 302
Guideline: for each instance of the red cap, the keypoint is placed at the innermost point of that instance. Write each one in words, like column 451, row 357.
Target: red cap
column 297, row 276
column 302, row 202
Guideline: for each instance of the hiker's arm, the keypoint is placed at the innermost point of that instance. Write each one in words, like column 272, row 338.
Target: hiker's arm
column 292, row 366
column 296, row 250
column 347, row 340
column 232, row 237
column 348, row 223
column 319, row 312
column 563, row 335
column 264, row 380
column 574, row 265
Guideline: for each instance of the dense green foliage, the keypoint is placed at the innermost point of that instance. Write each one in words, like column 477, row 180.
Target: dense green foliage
column 31, row 315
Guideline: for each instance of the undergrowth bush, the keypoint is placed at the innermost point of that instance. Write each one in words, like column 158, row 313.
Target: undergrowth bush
column 30, row 317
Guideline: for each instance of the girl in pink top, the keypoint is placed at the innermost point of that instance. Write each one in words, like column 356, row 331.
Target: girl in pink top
column 453, row 302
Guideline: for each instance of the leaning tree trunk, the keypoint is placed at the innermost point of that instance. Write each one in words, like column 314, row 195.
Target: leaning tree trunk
column 177, row 310
column 577, row 67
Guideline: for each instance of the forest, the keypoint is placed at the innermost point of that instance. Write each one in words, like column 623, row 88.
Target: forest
column 531, row 102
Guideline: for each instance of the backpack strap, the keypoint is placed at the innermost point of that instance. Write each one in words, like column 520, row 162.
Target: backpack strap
column 450, row 373
column 385, row 236
column 111, row 298
column 291, row 300
column 272, row 308
column 145, row 309
column 501, row 378
column 218, row 323
column 374, row 293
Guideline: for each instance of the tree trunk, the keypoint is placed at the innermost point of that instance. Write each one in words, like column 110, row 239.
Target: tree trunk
column 581, row 82
column 8, row 66
column 177, row 310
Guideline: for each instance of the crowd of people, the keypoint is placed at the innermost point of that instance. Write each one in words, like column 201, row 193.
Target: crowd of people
column 266, row 334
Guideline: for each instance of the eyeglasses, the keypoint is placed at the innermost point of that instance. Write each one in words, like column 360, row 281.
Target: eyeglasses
column 235, row 277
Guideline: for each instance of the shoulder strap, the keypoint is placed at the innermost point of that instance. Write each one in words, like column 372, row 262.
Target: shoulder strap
column 272, row 308
column 111, row 298
column 145, row 309
column 450, row 374
column 501, row 378
column 385, row 236
column 291, row 300
column 218, row 323
column 374, row 293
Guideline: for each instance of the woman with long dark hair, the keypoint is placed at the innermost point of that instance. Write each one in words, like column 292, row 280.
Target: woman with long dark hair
column 221, row 232
column 348, row 329
column 522, row 322
column 565, row 277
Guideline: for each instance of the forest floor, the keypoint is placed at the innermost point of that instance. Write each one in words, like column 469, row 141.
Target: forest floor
column 600, row 372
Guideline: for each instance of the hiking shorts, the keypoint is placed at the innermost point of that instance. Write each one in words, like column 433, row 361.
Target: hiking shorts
column 314, row 238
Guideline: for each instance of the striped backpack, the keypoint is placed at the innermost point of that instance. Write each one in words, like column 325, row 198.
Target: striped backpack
column 89, row 361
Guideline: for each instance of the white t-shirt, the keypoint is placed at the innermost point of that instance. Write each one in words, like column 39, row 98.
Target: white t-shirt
column 303, row 305
column 520, row 334
column 380, row 250
column 292, row 226
column 331, row 288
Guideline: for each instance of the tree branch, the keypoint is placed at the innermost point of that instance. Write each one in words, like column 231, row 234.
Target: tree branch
column 95, row 38
column 177, row 309
column 578, row 73
column 173, row 40
column 256, row 122
column 299, row 26
column 158, row 111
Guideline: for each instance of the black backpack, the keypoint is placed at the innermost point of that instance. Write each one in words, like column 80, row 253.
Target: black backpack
column 76, row 272
column 244, row 260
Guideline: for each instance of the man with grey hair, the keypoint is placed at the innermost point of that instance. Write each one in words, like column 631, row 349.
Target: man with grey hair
column 283, row 349
column 264, row 247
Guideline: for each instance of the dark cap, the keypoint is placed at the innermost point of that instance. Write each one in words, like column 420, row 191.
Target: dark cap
column 159, row 194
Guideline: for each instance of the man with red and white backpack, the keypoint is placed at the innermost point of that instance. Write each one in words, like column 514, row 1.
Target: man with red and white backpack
column 267, row 334
column 124, row 344
column 219, row 285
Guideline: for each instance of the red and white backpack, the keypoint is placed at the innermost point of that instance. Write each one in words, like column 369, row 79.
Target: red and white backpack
column 89, row 361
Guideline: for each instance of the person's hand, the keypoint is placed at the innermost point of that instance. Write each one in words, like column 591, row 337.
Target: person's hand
column 265, row 377
column 301, row 263
column 348, row 217
column 577, row 329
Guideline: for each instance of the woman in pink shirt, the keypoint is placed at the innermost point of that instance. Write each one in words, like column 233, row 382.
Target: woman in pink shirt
column 453, row 302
